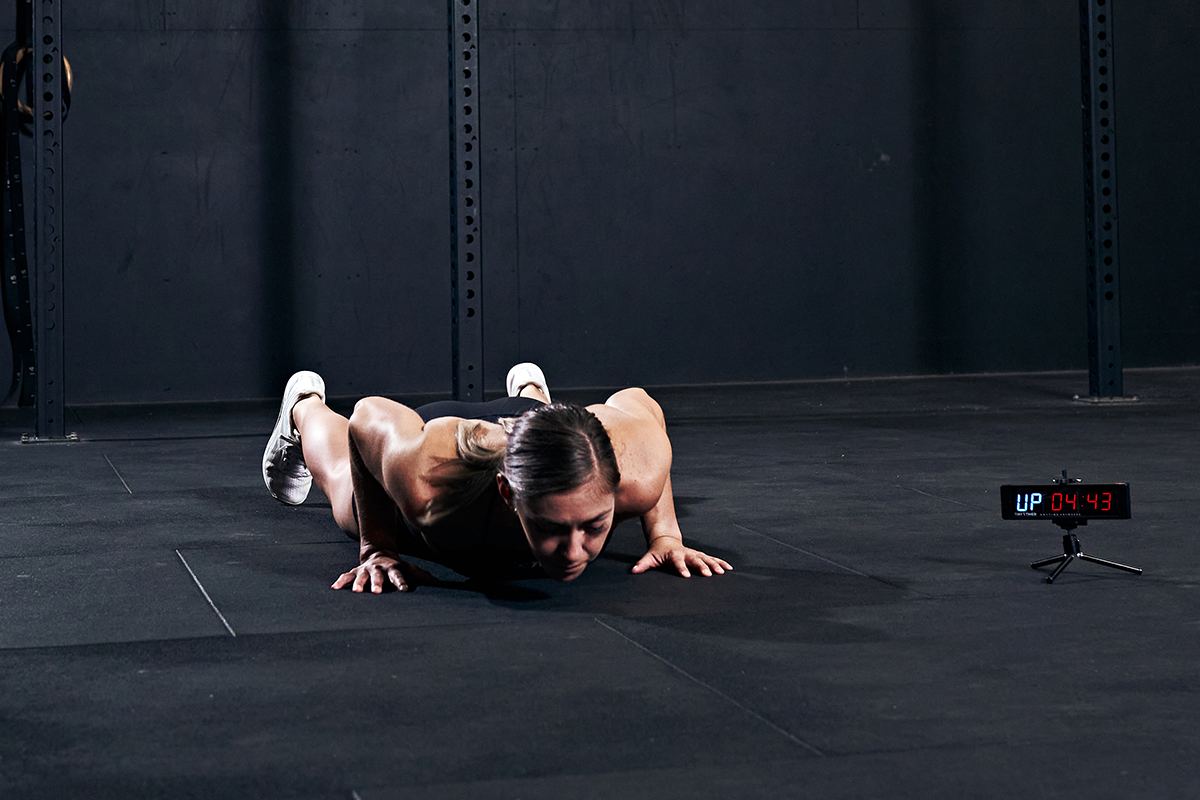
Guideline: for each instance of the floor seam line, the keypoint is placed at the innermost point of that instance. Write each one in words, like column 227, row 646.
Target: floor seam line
column 114, row 469
column 851, row 570
column 204, row 592
column 714, row 690
column 944, row 499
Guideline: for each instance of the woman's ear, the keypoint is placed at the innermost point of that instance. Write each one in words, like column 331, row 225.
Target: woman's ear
column 506, row 493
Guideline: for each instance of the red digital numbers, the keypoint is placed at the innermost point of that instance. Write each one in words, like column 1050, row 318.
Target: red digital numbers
column 1060, row 501
column 1107, row 504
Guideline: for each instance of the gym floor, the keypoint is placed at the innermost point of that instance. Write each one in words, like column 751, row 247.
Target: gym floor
column 167, row 629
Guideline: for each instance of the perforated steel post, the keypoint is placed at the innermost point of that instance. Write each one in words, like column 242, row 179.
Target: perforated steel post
column 466, row 272
column 47, row 78
column 1105, row 377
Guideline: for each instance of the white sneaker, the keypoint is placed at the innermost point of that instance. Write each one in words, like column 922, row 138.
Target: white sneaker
column 524, row 374
column 284, row 471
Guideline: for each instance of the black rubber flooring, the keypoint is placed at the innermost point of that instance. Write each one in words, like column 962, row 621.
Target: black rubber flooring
column 167, row 630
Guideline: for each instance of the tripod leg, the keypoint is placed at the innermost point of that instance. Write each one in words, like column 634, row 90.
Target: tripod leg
column 1059, row 568
column 1046, row 561
column 1113, row 564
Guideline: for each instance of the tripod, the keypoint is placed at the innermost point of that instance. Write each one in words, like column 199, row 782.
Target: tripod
column 1073, row 550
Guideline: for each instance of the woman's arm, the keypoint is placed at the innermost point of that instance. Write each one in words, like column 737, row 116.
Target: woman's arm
column 646, row 484
column 386, row 441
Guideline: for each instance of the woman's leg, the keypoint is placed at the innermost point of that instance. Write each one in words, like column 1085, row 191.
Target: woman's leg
column 532, row 391
column 325, row 439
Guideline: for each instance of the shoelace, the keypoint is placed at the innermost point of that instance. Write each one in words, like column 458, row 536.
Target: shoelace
column 286, row 461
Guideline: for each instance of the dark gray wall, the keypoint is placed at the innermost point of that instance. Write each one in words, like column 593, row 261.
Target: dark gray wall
column 674, row 191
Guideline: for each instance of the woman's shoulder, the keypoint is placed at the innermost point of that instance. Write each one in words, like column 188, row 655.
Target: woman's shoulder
column 635, row 426
column 631, row 416
column 412, row 482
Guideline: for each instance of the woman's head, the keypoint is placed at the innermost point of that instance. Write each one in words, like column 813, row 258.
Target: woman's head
column 556, row 448
column 560, row 475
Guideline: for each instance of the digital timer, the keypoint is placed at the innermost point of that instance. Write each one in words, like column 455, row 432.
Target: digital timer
column 1069, row 501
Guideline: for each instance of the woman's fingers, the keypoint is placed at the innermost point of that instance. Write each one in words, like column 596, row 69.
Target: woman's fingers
column 377, row 577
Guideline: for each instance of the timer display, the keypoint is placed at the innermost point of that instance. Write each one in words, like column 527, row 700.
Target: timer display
column 1065, row 501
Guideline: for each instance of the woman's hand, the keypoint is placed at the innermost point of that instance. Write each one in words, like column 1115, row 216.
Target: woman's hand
column 667, row 550
column 382, row 570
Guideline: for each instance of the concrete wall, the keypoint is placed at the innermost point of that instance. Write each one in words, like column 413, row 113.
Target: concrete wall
column 675, row 191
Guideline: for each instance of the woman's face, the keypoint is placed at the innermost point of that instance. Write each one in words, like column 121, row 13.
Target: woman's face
column 568, row 530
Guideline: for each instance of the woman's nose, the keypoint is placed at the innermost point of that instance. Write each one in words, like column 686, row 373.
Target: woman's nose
column 575, row 546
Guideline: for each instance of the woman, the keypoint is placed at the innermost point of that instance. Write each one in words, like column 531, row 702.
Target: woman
column 484, row 488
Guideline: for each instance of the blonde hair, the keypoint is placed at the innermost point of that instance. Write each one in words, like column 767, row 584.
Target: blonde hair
column 460, row 481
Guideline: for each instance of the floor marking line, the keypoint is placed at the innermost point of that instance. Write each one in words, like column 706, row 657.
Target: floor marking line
column 114, row 469
column 205, row 593
column 851, row 570
column 715, row 691
column 935, row 497
column 806, row 552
